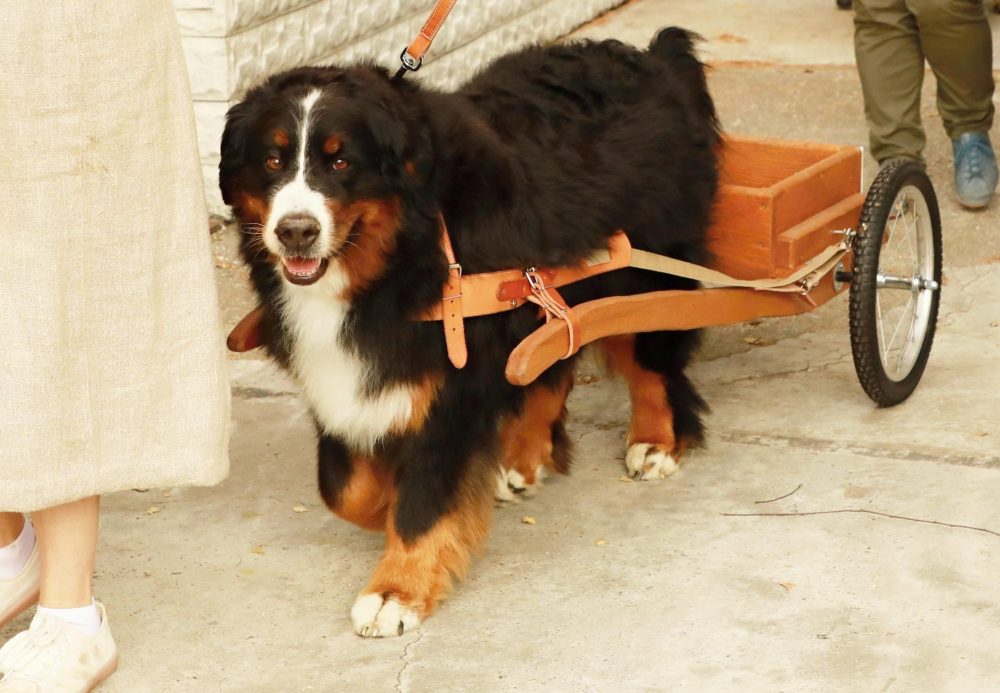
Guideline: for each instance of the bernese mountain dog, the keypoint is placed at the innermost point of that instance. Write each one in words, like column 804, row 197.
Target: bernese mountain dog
column 338, row 176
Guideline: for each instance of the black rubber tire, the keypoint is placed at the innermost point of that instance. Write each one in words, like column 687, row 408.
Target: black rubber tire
column 893, row 177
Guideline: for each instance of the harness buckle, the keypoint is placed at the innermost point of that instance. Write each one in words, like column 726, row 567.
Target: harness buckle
column 452, row 267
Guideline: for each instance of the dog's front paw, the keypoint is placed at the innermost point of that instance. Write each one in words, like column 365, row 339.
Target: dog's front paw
column 649, row 461
column 512, row 485
column 375, row 616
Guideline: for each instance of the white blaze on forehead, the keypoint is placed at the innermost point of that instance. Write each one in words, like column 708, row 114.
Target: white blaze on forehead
column 296, row 197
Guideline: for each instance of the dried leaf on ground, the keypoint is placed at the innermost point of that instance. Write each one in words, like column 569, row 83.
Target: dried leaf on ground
column 300, row 508
column 152, row 510
column 528, row 520
column 259, row 550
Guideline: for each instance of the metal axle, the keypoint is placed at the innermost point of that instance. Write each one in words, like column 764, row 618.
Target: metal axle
column 916, row 283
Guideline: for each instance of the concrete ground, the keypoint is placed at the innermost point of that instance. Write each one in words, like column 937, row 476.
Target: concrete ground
column 815, row 544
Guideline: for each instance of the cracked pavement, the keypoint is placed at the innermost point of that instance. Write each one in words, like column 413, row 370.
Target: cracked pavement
column 622, row 585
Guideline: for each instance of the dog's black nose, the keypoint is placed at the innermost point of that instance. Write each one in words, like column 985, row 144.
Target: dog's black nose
column 297, row 232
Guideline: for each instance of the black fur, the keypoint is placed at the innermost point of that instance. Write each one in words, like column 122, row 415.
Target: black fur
column 537, row 161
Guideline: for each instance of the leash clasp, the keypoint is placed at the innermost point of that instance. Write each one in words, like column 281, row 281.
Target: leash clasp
column 409, row 62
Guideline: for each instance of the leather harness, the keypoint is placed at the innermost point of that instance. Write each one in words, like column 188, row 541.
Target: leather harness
column 486, row 293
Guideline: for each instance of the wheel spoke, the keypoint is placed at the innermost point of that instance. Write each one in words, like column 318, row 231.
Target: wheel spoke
column 880, row 320
column 895, row 333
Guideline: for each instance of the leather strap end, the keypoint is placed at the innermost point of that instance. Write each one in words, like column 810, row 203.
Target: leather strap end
column 454, row 331
column 246, row 336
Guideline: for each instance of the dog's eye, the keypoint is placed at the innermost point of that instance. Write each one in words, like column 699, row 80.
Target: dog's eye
column 341, row 165
column 273, row 163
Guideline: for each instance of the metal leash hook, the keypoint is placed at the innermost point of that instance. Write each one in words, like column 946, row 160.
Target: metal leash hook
column 552, row 307
column 409, row 64
column 412, row 56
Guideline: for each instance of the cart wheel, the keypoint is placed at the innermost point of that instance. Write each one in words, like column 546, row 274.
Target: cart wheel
column 896, row 282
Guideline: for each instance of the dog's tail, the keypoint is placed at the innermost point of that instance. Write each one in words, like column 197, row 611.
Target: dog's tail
column 676, row 46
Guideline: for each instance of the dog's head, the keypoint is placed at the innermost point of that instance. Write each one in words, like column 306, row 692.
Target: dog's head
column 317, row 164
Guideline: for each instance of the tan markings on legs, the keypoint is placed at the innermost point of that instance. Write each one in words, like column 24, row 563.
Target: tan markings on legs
column 652, row 418
column 526, row 438
column 419, row 574
column 653, row 449
column 368, row 495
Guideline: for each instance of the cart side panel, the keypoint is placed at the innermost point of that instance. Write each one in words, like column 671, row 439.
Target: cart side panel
column 740, row 238
column 816, row 188
column 761, row 163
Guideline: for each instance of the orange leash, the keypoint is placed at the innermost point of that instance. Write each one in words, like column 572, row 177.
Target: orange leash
column 413, row 55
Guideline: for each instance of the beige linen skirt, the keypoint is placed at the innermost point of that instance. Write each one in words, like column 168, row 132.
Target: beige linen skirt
column 112, row 370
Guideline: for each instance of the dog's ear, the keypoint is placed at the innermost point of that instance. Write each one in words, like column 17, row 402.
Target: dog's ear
column 239, row 122
column 390, row 134
column 398, row 125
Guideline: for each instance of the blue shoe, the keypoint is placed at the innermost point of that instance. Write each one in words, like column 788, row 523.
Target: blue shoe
column 975, row 169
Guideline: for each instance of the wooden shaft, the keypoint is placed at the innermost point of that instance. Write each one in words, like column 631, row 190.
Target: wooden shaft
column 653, row 312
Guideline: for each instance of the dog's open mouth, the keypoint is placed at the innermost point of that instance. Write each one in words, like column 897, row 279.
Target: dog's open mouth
column 303, row 270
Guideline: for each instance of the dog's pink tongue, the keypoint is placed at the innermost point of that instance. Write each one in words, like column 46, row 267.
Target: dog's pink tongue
column 302, row 265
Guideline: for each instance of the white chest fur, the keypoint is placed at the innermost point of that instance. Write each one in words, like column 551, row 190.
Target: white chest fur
column 334, row 379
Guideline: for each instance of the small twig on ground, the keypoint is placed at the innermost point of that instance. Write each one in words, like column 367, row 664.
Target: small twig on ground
column 780, row 497
column 869, row 512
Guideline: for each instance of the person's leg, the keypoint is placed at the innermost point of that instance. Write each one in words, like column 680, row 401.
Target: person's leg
column 67, row 545
column 69, row 646
column 955, row 36
column 891, row 67
column 11, row 525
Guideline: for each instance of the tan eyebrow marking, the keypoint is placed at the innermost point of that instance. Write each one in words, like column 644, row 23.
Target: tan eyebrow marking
column 332, row 145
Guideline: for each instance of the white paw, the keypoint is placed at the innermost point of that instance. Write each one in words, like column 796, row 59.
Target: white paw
column 503, row 490
column 512, row 486
column 648, row 461
column 519, row 484
column 376, row 617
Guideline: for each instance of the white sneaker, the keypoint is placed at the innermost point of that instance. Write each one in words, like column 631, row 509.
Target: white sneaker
column 21, row 591
column 53, row 655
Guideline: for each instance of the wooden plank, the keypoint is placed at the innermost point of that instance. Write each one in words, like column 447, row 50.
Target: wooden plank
column 813, row 189
column 741, row 235
column 651, row 312
column 761, row 163
column 806, row 240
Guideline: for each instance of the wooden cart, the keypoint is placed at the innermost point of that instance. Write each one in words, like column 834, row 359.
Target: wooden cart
column 784, row 206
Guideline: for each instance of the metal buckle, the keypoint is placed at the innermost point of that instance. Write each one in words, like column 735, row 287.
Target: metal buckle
column 409, row 62
column 452, row 267
column 534, row 279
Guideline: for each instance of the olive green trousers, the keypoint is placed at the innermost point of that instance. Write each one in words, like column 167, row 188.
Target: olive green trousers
column 892, row 38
